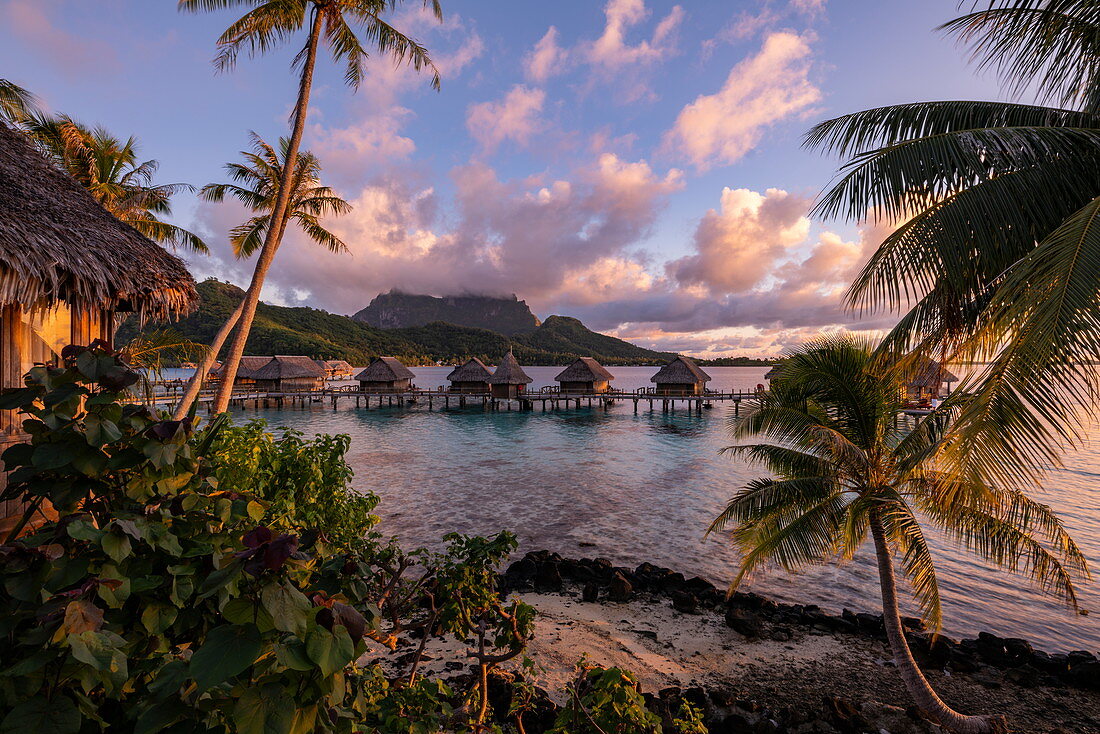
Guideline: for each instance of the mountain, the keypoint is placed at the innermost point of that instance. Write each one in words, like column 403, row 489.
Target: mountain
column 394, row 310
column 322, row 335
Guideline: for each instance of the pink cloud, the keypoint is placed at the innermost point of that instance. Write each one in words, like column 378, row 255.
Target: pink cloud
column 514, row 118
column 759, row 92
column 736, row 247
column 547, row 59
column 612, row 50
column 72, row 54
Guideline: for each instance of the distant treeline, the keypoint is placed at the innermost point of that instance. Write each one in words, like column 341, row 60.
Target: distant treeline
column 322, row 335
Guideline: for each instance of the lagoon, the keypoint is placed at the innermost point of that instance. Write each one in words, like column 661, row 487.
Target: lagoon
column 643, row 487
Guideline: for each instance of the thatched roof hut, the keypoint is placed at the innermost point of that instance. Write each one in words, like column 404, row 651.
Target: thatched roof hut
column 509, row 379
column 66, row 267
column 928, row 380
column 474, row 370
column 59, row 246
column 336, row 367
column 246, row 369
column 774, row 372
column 508, row 372
column 585, row 375
column 385, row 369
column 289, row 373
column 681, row 376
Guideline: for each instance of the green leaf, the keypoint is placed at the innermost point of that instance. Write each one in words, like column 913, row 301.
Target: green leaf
column 220, row 578
column 116, row 546
column 42, row 716
column 228, row 651
column 51, row 456
column 96, row 650
column 264, row 710
column 289, row 607
column 243, row 611
column 158, row 617
column 256, row 510
column 99, row 431
column 292, row 654
column 15, row 399
column 331, row 651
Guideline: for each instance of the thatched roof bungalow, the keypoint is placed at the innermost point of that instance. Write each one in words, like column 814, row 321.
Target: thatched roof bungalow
column 508, row 380
column 385, row 374
column 585, row 376
column 930, row 380
column 773, row 372
column 289, row 374
column 336, row 369
column 245, row 370
column 67, row 267
column 681, row 376
column 471, row 377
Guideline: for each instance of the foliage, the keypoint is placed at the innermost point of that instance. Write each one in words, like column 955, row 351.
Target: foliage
column 256, row 185
column 16, row 103
column 996, row 255
column 605, row 701
column 158, row 602
column 847, row 463
column 842, row 454
column 395, row 310
column 108, row 168
column 304, row 483
column 309, row 331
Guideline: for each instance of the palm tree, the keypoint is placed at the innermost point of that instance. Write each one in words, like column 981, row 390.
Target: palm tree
column 256, row 185
column 108, row 168
column 269, row 23
column 998, row 256
column 16, row 103
column 845, row 463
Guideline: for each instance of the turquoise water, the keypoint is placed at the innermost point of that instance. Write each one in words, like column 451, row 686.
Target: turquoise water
column 643, row 487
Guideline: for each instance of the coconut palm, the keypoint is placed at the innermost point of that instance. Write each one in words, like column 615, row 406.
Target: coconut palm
column 269, row 23
column 16, row 103
column 109, row 169
column 846, row 463
column 256, row 185
column 257, row 182
column 998, row 255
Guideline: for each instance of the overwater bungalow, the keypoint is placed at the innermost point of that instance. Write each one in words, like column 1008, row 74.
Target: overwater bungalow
column 471, row 377
column 67, row 269
column 681, row 376
column 585, row 376
column 931, row 381
column 773, row 372
column 509, row 380
column 245, row 370
column 289, row 374
column 336, row 369
column 385, row 374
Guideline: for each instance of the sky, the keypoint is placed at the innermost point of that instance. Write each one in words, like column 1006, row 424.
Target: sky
column 636, row 164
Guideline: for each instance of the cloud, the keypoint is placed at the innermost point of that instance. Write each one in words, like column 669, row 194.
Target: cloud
column 759, row 92
column 736, row 247
column 612, row 51
column 535, row 236
column 515, row 118
column 73, row 55
column 546, row 59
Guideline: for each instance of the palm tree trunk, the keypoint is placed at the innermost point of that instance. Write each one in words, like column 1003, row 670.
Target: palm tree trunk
column 278, row 217
column 911, row 674
column 195, row 383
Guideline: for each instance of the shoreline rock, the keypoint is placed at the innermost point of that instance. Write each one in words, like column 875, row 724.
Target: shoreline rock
column 804, row 669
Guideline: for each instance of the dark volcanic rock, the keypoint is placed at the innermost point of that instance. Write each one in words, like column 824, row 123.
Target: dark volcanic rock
column 744, row 622
column 621, row 589
column 590, row 592
column 685, row 601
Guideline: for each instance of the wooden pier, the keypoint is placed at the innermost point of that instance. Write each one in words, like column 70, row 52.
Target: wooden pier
column 547, row 399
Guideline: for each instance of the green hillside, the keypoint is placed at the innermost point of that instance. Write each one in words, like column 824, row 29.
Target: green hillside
column 322, row 335
column 396, row 310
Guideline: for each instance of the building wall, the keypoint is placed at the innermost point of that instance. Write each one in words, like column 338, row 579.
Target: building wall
column 394, row 386
column 674, row 388
column 585, row 388
column 470, row 387
column 507, row 392
column 27, row 339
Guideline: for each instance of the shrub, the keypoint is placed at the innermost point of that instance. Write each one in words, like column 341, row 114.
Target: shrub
column 160, row 601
